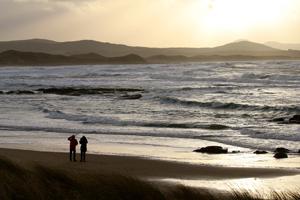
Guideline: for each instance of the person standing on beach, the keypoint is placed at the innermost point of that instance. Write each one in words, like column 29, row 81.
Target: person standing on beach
column 83, row 141
column 73, row 144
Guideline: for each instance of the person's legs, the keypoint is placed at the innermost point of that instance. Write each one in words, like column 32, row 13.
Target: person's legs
column 84, row 156
column 81, row 156
column 70, row 155
column 74, row 155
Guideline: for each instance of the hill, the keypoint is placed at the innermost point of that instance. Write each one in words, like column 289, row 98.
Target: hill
column 114, row 50
column 13, row 57
column 283, row 46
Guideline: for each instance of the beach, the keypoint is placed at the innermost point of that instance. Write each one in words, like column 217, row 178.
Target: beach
column 153, row 138
column 167, row 172
column 139, row 167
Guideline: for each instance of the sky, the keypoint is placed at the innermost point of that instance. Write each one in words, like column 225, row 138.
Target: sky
column 153, row 23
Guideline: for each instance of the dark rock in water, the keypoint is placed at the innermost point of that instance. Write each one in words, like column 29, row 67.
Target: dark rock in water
column 212, row 150
column 131, row 96
column 25, row 92
column 20, row 92
column 279, row 119
column 295, row 119
column 280, row 155
column 299, row 151
column 236, row 152
column 85, row 91
column 281, row 150
column 260, row 152
column 286, row 120
column 1, row 92
column 10, row 92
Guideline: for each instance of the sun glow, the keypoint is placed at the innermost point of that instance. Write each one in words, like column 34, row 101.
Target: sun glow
column 242, row 15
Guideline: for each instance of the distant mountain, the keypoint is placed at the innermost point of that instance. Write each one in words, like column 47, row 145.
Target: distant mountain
column 283, row 46
column 112, row 50
column 18, row 58
column 94, row 52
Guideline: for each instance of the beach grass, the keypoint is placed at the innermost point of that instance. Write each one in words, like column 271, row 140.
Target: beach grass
column 45, row 183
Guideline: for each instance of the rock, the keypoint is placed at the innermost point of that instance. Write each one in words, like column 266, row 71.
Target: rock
column 85, row 91
column 20, row 92
column 131, row 96
column 299, row 151
column 260, row 152
column 279, row 119
column 24, row 92
column 1, row 92
column 236, row 152
column 281, row 150
column 295, row 119
column 280, row 155
column 212, row 150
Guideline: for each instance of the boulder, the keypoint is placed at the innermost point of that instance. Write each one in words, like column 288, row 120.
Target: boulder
column 1, row 92
column 280, row 155
column 260, row 152
column 295, row 119
column 212, row 150
column 299, row 151
column 236, row 151
column 281, row 150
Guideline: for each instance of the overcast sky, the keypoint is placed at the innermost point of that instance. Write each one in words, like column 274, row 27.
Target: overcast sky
column 162, row 23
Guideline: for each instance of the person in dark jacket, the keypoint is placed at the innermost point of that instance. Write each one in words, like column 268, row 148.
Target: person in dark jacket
column 83, row 141
column 73, row 144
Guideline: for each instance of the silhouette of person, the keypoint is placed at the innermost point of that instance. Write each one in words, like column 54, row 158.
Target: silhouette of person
column 73, row 144
column 83, row 141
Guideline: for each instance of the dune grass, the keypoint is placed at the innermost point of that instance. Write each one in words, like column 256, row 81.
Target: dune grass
column 44, row 183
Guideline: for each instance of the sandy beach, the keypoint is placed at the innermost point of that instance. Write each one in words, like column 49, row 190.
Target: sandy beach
column 138, row 167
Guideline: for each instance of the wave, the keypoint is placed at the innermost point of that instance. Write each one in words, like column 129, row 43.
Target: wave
column 229, row 105
column 85, row 119
column 255, row 76
column 153, row 133
column 291, row 136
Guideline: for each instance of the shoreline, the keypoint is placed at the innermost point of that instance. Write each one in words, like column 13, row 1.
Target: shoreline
column 139, row 166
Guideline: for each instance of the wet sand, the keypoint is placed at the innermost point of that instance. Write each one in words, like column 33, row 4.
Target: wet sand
column 138, row 167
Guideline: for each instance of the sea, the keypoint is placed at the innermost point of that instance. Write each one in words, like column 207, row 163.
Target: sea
column 183, row 107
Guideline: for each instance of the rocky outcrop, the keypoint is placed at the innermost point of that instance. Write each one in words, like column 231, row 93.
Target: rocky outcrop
column 287, row 120
column 281, row 150
column 212, row 150
column 260, row 152
column 280, row 155
column 295, row 119
column 86, row 91
column 20, row 92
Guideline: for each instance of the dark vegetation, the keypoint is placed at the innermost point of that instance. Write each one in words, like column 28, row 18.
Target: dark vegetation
column 40, row 182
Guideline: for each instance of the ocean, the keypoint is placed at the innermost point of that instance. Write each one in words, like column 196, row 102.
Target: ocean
column 183, row 107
